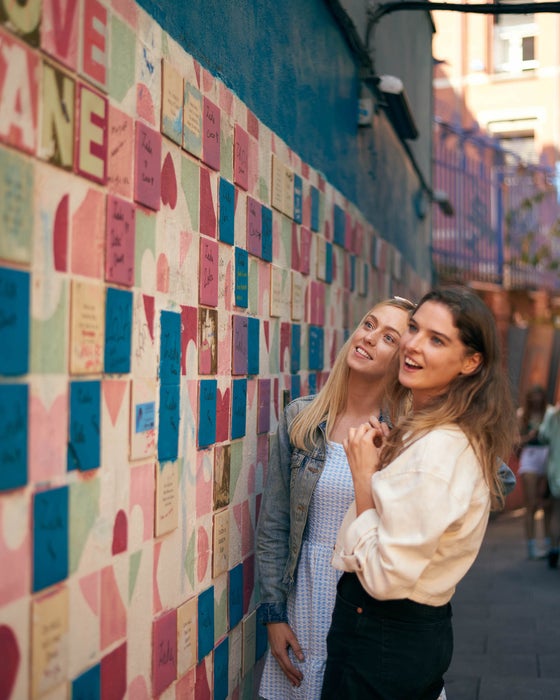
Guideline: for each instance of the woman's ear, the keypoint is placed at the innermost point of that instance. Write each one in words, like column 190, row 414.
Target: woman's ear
column 472, row 363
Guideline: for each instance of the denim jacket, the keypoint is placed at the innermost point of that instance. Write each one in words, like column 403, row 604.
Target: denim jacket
column 291, row 478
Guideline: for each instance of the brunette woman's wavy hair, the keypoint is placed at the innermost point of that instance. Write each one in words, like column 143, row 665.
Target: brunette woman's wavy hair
column 481, row 403
column 331, row 399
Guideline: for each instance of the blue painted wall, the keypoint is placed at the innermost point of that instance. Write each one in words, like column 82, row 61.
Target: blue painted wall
column 289, row 62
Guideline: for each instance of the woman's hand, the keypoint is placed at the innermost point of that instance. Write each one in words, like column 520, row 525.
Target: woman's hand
column 362, row 448
column 280, row 638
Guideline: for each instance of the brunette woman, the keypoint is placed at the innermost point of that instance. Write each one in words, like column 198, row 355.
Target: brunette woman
column 422, row 503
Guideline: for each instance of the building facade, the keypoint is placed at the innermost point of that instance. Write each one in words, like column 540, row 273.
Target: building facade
column 496, row 149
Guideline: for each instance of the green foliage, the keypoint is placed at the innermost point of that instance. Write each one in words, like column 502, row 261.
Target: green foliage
column 525, row 252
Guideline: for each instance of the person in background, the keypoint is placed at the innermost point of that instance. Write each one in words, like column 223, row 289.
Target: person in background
column 308, row 490
column 533, row 458
column 550, row 432
column 422, row 503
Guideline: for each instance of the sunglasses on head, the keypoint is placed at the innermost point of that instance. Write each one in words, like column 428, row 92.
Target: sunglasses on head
column 406, row 301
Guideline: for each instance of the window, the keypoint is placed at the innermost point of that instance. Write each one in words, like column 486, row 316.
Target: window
column 521, row 146
column 517, row 137
column 514, row 42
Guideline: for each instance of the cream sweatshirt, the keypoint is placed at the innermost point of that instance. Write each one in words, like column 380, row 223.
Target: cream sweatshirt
column 431, row 511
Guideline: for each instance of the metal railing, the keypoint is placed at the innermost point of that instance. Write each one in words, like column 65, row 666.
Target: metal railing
column 506, row 228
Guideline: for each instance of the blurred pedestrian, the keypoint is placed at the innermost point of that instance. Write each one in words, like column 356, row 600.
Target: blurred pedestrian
column 533, row 459
column 550, row 431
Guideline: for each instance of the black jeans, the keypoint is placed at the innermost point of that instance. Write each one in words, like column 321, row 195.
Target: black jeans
column 385, row 650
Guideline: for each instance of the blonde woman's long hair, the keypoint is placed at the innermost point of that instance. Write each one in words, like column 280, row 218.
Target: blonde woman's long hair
column 481, row 404
column 331, row 399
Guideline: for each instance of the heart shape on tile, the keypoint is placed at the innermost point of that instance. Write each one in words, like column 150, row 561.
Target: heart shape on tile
column 168, row 182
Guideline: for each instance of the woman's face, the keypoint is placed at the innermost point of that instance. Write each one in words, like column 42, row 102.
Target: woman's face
column 376, row 341
column 432, row 353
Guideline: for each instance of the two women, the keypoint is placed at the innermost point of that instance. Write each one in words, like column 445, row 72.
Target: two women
column 422, row 503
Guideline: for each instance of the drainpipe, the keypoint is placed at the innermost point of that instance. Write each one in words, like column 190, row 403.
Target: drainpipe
column 503, row 277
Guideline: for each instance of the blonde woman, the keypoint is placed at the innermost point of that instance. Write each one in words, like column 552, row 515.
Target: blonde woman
column 308, row 490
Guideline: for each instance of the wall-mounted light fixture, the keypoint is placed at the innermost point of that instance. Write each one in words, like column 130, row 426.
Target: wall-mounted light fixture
column 424, row 196
column 441, row 198
column 395, row 103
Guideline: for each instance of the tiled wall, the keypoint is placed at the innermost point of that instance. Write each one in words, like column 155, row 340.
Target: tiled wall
column 170, row 274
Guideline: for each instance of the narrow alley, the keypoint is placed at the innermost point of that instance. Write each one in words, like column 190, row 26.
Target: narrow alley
column 506, row 622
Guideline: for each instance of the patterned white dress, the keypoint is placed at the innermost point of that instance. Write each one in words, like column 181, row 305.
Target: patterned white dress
column 311, row 601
